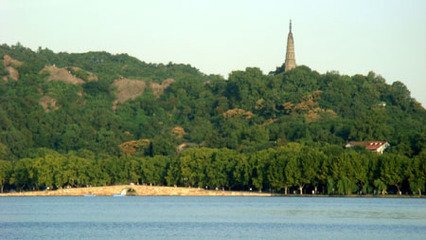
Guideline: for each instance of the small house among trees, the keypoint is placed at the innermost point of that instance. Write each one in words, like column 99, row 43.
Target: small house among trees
column 374, row 146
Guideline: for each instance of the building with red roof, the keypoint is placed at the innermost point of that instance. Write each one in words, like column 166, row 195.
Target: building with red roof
column 374, row 146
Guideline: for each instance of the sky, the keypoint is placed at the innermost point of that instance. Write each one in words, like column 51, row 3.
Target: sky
column 220, row 36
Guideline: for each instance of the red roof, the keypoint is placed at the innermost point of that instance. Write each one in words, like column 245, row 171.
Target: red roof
column 370, row 145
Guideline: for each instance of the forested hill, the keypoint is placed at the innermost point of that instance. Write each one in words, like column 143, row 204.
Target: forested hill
column 119, row 105
column 70, row 120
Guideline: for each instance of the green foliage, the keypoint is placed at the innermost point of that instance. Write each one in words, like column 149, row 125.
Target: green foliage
column 276, row 132
column 392, row 170
column 417, row 174
column 97, row 88
column 293, row 168
column 5, row 171
column 301, row 106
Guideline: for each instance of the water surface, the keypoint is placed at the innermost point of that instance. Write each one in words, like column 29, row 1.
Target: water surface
column 211, row 218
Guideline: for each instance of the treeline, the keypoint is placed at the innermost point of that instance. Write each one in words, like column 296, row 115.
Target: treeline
column 293, row 168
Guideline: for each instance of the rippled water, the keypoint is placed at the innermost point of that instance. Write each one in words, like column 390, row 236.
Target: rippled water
column 211, row 218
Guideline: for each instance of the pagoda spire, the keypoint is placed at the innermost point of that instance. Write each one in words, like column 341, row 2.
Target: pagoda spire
column 290, row 58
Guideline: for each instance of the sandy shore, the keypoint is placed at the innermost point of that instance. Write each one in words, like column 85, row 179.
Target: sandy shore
column 139, row 191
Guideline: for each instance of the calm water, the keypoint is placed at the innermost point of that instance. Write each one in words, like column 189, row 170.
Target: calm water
column 211, row 218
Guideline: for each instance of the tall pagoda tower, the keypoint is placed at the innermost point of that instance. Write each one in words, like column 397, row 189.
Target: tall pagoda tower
column 290, row 58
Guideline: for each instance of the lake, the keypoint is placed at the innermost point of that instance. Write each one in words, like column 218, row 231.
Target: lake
column 211, row 218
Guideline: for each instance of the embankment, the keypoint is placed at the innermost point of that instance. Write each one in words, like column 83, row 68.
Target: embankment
column 138, row 191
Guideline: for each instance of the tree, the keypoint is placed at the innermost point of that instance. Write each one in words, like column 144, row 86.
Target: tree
column 381, row 186
column 310, row 160
column 260, row 162
column 293, row 172
column 392, row 170
column 23, row 176
column 173, row 176
column 219, row 172
column 417, row 173
column 133, row 170
column 5, row 171
column 242, row 174
column 342, row 173
column 193, row 166
column 154, row 170
column 361, row 167
column 276, row 173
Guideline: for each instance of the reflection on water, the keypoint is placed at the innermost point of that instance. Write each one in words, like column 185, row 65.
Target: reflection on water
column 211, row 218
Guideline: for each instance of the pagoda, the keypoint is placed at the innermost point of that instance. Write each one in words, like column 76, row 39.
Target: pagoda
column 290, row 58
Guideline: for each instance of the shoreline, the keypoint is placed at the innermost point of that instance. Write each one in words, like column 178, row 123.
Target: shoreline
column 142, row 190
column 139, row 190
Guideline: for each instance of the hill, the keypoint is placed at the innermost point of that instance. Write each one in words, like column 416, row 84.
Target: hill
column 119, row 106
column 68, row 102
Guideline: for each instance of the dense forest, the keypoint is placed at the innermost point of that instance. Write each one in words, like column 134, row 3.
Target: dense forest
column 101, row 119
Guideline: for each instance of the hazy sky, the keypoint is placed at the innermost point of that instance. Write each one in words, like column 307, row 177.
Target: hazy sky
column 219, row 36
